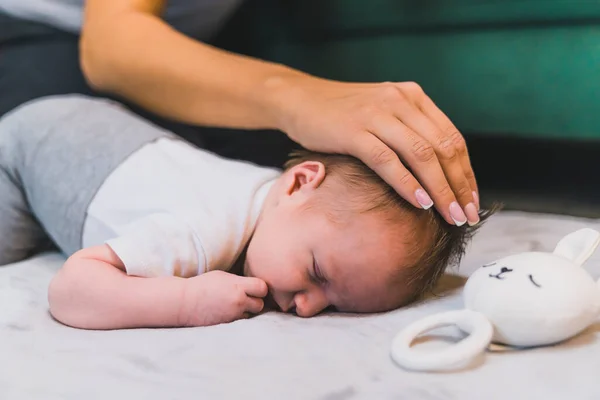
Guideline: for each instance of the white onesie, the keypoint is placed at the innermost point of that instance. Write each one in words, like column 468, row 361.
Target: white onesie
column 173, row 209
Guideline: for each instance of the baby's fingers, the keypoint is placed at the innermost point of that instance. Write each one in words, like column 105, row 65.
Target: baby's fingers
column 254, row 287
column 254, row 305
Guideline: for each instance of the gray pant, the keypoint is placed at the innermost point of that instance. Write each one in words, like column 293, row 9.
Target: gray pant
column 55, row 153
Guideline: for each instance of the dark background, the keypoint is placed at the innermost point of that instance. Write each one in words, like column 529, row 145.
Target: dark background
column 519, row 79
column 535, row 147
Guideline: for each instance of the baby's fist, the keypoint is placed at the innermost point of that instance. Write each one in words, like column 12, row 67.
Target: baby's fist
column 218, row 297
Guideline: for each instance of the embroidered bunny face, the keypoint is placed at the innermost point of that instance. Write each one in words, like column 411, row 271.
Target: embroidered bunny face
column 526, row 299
column 533, row 298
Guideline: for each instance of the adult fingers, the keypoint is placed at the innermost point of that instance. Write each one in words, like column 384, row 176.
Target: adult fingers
column 385, row 162
column 447, row 151
column 445, row 124
column 420, row 155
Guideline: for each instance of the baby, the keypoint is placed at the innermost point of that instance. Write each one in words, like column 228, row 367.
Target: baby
column 160, row 233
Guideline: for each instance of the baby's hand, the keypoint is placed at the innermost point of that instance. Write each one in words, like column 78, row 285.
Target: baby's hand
column 218, row 297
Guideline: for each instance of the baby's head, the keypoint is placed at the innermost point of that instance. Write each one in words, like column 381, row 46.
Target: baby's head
column 332, row 233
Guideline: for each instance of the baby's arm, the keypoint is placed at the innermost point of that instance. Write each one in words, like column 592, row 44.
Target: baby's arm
column 93, row 291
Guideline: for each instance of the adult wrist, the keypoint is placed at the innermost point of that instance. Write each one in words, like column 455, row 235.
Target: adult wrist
column 284, row 93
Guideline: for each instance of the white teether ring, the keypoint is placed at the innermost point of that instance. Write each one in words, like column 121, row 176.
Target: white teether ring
column 476, row 323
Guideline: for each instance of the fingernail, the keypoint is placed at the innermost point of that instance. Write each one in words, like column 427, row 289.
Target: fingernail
column 423, row 199
column 476, row 199
column 471, row 212
column 457, row 214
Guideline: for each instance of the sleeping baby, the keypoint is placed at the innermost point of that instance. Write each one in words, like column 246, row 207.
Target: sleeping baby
column 160, row 233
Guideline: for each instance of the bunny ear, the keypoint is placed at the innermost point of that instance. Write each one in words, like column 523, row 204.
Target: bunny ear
column 579, row 245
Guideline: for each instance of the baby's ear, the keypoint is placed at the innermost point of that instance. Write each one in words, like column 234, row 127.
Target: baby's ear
column 578, row 246
column 308, row 174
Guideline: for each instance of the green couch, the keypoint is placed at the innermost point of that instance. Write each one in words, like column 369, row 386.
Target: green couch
column 528, row 68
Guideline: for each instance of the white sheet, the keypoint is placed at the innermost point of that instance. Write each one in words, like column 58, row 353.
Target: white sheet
column 277, row 356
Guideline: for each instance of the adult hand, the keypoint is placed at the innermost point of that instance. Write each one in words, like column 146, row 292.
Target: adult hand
column 394, row 128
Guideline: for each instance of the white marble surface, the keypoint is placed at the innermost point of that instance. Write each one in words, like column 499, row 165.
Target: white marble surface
column 276, row 356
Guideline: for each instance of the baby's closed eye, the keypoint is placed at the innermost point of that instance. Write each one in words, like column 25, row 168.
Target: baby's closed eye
column 317, row 273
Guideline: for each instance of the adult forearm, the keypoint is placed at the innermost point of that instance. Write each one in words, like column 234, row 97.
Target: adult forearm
column 141, row 58
column 92, row 294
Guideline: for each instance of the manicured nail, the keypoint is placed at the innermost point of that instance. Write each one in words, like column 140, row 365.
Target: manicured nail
column 457, row 214
column 423, row 199
column 471, row 212
column 476, row 199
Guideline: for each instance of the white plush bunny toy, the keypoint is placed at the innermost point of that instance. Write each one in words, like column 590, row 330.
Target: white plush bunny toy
column 523, row 300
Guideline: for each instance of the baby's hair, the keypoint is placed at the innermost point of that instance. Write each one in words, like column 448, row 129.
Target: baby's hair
column 443, row 244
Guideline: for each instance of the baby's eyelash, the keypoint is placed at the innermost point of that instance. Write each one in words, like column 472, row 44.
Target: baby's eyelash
column 317, row 272
column 489, row 265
